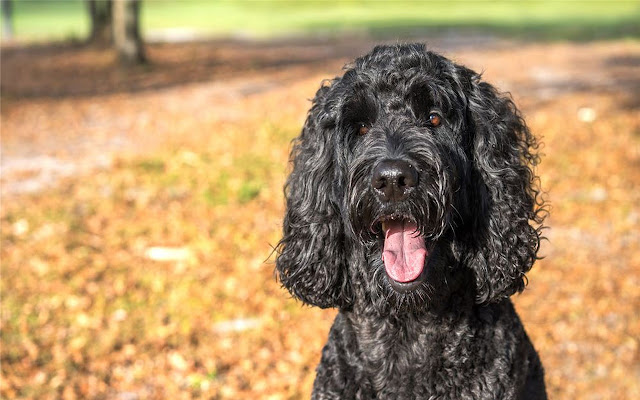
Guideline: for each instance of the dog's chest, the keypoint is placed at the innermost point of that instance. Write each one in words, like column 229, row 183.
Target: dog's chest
column 415, row 360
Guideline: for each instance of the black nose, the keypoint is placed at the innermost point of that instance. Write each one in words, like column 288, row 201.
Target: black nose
column 393, row 180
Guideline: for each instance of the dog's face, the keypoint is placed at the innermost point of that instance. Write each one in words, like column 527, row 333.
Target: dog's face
column 406, row 161
column 412, row 180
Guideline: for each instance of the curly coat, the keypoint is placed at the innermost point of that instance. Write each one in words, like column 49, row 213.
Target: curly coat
column 407, row 140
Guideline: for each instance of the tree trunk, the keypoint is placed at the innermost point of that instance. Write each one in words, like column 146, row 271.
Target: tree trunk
column 126, row 31
column 100, row 13
column 7, row 20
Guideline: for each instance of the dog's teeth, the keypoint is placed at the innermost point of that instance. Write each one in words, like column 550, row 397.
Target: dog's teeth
column 384, row 227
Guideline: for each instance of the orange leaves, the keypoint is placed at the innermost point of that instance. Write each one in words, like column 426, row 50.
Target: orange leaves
column 146, row 272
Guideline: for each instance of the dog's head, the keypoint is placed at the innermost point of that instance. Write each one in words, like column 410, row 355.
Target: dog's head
column 412, row 178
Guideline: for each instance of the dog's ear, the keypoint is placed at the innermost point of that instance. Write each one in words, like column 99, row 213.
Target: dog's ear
column 311, row 261
column 509, row 213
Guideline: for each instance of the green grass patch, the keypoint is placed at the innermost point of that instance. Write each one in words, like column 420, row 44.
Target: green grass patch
column 217, row 192
column 152, row 166
column 249, row 191
column 50, row 20
column 546, row 19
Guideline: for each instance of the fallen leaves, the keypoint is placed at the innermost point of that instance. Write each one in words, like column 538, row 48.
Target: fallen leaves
column 149, row 275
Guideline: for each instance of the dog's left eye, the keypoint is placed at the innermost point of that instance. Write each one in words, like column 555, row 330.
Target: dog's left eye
column 363, row 129
column 435, row 119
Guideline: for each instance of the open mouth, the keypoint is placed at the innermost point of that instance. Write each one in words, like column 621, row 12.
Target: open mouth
column 404, row 252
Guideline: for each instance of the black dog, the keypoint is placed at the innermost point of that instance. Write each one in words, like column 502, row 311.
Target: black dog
column 413, row 208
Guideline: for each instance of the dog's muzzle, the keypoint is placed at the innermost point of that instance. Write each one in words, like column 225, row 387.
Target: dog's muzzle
column 404, row 253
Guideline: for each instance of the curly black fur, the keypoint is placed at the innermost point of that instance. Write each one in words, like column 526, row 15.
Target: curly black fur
column 453, row 334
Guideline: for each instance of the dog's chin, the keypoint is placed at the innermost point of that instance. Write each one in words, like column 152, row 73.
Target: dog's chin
column 407, row 287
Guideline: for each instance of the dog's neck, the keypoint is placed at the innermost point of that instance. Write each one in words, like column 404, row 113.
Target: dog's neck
column 457, row 309
column 393, row 347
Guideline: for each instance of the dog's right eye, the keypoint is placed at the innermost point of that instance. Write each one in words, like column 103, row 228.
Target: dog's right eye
column 363, row 129
column 435, row 119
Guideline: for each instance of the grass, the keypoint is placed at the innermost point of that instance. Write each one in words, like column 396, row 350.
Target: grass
column 546, row 19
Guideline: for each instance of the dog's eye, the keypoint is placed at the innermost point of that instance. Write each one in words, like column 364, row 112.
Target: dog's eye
column 363, row 129
column 435, row 119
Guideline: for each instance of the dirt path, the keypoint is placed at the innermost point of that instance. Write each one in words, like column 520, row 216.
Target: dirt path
column 67, row 110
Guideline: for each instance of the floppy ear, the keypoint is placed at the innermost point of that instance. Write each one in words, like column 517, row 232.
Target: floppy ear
column 311, row 262
column 508, row 220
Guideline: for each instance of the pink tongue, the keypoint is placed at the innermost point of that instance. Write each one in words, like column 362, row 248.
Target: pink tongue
column 404, row 251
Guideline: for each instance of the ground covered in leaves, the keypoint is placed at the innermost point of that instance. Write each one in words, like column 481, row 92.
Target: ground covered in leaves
column 140, row 207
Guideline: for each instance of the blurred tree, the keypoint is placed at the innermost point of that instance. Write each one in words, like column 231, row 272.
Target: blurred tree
column 126, row 31
column 7, row 19
column 100, row 13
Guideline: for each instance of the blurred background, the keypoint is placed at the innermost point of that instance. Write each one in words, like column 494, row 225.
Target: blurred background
column 145, row 145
